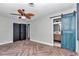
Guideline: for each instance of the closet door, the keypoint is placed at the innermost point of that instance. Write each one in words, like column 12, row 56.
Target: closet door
column 23, row 31
column 68, row 31
column 16, row 32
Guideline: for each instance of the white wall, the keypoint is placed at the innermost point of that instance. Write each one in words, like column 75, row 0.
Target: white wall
column 17, row 20
column 6, row 29
column 42, row 29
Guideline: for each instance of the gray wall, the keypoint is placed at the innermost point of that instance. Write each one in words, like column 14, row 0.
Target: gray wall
column 41, row 31
column 6, row 28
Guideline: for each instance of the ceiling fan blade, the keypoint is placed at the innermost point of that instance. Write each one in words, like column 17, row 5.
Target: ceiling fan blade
column 14, row 14
column 30, row 14
column 21, row 11
column 27, row 16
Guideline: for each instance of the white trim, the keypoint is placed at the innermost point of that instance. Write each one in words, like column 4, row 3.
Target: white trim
column 50, row 44
column 6, row 42
column 76, row 33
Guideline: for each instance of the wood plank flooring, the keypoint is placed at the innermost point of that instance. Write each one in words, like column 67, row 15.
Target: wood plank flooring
column 29, row 48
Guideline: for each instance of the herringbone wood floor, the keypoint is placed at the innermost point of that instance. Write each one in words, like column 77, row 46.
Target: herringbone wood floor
column 29, row 48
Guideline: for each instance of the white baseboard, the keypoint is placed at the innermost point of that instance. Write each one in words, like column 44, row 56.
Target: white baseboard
column 42, row 42
column 6, row 42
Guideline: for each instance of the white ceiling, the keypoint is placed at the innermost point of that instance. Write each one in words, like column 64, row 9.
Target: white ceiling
column 39, row 9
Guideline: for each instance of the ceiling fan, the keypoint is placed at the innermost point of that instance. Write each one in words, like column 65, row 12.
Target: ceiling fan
column 22, row 14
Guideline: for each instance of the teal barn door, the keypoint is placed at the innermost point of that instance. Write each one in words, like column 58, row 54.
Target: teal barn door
column 68, row 31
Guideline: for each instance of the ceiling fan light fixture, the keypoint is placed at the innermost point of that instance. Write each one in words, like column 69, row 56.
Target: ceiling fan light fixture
column 23, row 17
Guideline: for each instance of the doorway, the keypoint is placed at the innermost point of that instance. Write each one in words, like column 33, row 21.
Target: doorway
column 57, row 31
column 20, row 32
